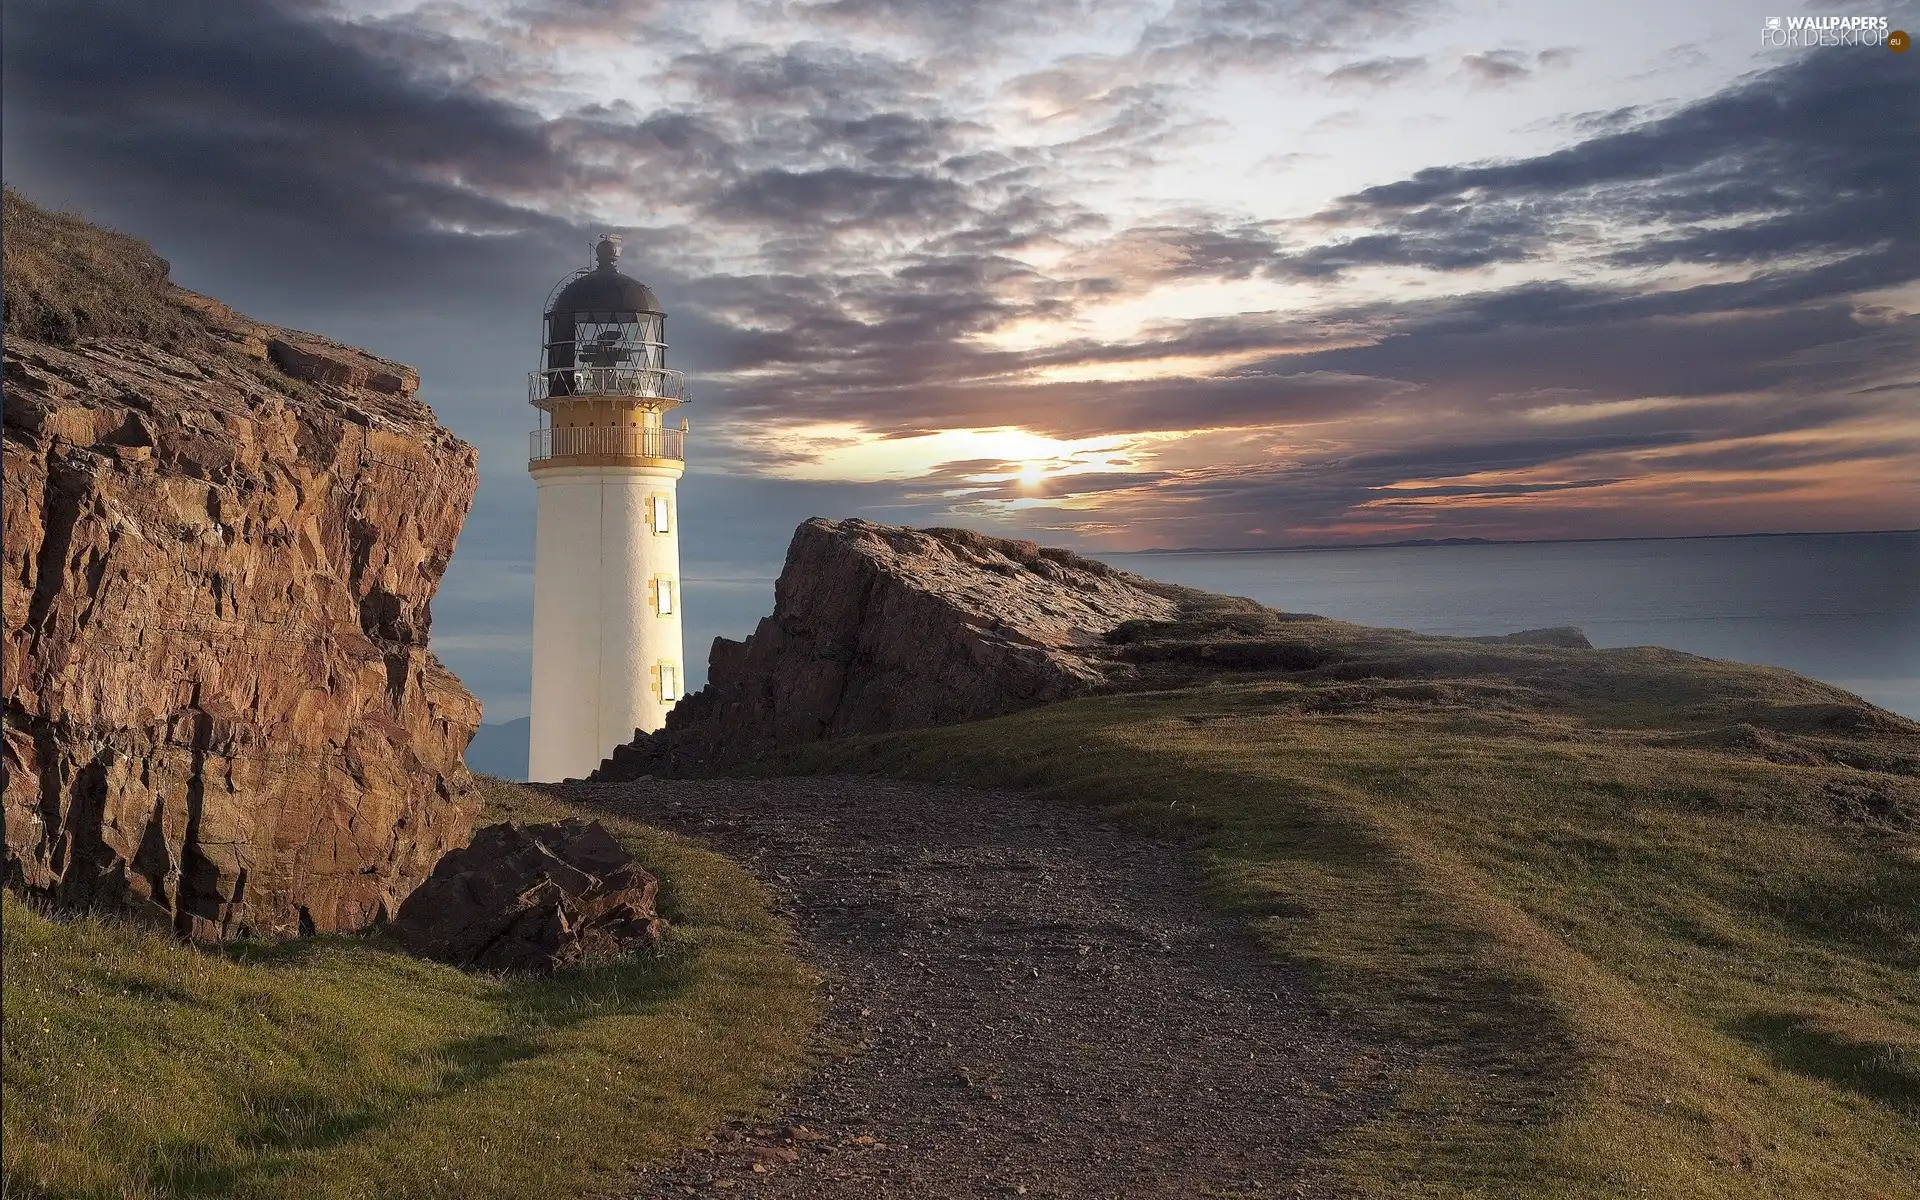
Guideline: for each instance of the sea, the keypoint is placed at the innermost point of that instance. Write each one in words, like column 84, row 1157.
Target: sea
column 1843, row 608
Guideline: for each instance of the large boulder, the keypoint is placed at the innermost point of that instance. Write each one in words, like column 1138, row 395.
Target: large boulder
column 532, row 898
column 220, row 709
column 878, row 628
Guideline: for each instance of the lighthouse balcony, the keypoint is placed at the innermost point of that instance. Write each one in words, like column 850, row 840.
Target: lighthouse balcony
column 649, row 383
column 605, row 443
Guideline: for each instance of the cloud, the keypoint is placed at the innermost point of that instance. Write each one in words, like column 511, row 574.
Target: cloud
column 1208, row 37
column 963, row 27
column 274, row 121
column 1377, row 72
column 839, row 195
column 1793, row 163
column 1496, row 68
column 806, row 77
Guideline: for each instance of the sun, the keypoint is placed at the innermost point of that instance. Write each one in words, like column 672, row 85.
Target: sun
column 1031, row 474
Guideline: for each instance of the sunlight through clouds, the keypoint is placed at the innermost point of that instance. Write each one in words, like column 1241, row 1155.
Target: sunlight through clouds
column 846, row 452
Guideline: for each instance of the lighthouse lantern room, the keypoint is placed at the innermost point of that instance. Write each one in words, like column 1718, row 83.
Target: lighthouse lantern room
column 605, row 462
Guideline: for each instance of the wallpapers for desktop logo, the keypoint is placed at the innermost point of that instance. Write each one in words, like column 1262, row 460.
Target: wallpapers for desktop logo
column 1831, row 31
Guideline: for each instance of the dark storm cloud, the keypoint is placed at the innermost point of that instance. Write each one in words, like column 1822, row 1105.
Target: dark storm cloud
column 194, row 78
column 241, row 121
column 376, row 152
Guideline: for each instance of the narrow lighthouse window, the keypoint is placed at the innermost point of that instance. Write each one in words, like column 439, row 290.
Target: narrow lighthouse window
column 660, row 524
column 669, row 683
column 663, row 597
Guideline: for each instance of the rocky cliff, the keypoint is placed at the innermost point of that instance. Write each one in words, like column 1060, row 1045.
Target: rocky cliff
column 878, row 628
column 221, row 540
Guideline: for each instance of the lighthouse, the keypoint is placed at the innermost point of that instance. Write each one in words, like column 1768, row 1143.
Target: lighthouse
column 605, row 460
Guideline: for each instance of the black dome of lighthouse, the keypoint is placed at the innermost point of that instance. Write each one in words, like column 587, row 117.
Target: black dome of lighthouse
column 605, row 290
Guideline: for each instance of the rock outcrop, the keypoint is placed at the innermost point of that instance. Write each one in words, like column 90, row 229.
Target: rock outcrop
column 878, row 628
column 535, row 898
column 221, row 540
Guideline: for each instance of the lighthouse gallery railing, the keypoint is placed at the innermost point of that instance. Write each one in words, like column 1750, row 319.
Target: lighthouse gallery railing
column 610, row 441
column 640, row 382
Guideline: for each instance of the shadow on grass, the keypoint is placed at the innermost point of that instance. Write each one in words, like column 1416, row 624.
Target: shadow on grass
column 282, row 1123
column 1801, row 1043
column 1874, row 914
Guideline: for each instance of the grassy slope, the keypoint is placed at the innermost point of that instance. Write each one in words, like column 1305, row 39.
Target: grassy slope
column 65, row 278
column 333, row 1067
column 1646, row 936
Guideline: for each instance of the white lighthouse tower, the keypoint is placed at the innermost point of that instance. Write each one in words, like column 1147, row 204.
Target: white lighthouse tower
column 606, row 593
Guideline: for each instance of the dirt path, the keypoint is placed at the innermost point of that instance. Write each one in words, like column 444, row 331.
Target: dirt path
column 1028, row 1001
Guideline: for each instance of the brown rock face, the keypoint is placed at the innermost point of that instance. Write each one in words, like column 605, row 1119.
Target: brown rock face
column 878, row 628
column 220, row 710
column 534, row 898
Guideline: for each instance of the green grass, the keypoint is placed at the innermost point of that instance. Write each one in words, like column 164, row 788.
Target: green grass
column 334, row 1067
column 1643, row 929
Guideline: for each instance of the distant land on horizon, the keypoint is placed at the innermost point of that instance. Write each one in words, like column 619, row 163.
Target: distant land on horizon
column 1479, row 541
column 500, row 750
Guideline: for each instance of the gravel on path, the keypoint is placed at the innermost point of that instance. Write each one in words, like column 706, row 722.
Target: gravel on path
column 1024, row 1000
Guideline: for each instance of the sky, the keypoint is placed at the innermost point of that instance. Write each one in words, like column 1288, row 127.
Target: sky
column 1111, row 275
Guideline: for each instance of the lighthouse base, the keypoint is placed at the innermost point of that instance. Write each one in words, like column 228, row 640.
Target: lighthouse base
column 606, row 633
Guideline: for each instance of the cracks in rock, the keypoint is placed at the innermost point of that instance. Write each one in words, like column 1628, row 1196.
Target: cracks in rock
column 60, row 515
column 153, row 860
column 86, row 812
column 398, row 672
column 199, row 876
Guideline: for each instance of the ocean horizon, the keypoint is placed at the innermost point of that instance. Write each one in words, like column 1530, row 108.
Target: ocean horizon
column 1447, row 542
column 1843, row 608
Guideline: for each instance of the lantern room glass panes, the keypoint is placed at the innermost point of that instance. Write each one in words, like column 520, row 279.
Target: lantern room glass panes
column 613, row 353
